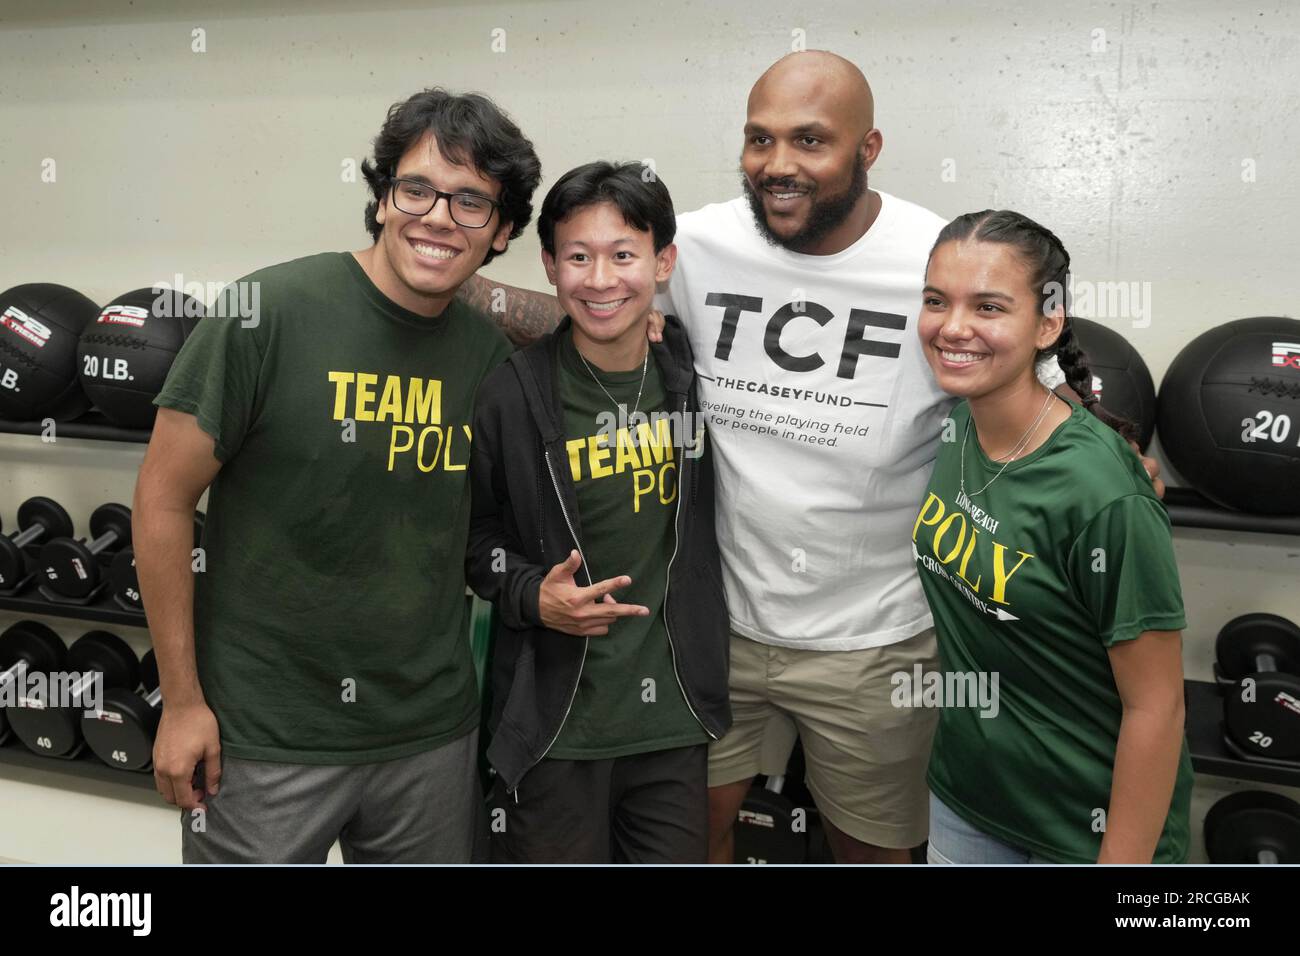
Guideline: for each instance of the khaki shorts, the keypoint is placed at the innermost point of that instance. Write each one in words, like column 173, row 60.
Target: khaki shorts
column 866, row 758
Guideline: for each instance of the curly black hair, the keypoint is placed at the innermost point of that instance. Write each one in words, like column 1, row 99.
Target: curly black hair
column 471, row 130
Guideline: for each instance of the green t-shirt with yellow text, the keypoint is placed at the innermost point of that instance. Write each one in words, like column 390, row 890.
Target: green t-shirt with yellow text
column 330, row 619
column 629, row 700
column 1030, row 581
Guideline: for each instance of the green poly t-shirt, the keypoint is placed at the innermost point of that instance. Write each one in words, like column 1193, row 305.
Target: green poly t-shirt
column 629, row 700
column 330, row 619
column 1030, row 581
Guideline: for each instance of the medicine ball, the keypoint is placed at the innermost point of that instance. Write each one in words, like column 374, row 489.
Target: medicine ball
column 126, row 352
column 39, row 326
column 1119, row 376
column 1229, row 415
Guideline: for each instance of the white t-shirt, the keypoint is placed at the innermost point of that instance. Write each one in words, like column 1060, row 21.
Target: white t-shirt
column 824, row 419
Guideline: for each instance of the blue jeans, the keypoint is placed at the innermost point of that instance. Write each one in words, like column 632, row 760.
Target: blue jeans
column 953, row 840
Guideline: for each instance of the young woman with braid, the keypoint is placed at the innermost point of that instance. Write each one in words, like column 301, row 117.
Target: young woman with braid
column 1048, row 564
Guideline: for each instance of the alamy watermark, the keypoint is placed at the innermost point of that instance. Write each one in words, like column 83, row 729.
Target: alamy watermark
column 41, row 690
column 922, row 688
column 227, row 300
column 1101, row 301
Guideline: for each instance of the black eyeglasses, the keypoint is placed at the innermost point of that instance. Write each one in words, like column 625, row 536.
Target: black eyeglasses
column 467, row 209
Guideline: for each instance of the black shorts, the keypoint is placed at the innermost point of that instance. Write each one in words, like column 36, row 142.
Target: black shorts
column 646, row 808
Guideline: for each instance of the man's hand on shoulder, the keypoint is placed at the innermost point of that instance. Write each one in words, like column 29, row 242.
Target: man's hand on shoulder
column 1153, row 469
column 655, row 328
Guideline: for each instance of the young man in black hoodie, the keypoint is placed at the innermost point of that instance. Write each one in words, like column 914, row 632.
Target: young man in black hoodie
column 589, row 477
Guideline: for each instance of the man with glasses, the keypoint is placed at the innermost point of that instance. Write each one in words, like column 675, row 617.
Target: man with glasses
column 318, row 679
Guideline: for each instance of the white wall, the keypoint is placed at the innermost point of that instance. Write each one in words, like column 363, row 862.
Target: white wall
column 1129, row 143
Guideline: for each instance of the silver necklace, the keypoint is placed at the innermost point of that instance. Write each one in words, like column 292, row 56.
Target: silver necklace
column 1010, row 456
column 645, row 364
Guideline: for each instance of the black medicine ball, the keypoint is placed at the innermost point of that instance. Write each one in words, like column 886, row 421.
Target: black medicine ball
column 1120, row 379
column 39, row 326
column 1229, row 415
column 126, row 352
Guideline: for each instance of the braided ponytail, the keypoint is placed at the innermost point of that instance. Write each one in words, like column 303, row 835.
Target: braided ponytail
column 1049, row 266
column 1078, row 375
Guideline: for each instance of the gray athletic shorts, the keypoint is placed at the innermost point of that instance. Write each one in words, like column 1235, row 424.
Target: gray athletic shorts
column 427, row 808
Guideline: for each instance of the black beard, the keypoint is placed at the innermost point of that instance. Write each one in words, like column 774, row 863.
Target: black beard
column 825, row 216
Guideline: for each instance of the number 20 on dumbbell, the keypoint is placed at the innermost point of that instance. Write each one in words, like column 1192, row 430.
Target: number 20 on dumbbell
column 124, row 585
column 1258, row 666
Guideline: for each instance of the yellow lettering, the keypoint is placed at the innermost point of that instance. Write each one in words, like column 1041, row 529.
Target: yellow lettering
column 419, row 453
column 365, row 396
column 597, row 455
column 943, row 528
column 341, row 382
column 574, row 447
column 393, row 449
column 667, row 498
column 446, row 460
column 965, row 559
column 931, row 499
column 626, row 451
column 659, row 441
column 424, row 405
column 637, row 490
column 390, row 406
column 1000, row 575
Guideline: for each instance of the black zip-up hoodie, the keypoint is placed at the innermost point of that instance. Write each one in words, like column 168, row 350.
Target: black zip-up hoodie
column 525, row 521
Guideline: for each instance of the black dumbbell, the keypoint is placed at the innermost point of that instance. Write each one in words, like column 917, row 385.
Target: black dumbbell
column 71, row 569
column 52, row 726
column 766, row 829
column 37, row 518
column 1258, row 660
column 1253, row 826
column 122, row 581
column 26, row 647
column 122, row 730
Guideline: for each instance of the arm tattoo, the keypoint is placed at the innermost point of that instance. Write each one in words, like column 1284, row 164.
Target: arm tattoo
column 523, row 315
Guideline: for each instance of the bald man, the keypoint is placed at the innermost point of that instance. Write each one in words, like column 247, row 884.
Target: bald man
column 800, row 298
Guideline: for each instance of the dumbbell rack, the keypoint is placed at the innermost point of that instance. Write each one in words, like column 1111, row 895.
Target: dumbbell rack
column 1186, row 508
column 1204, row 699
column 85, row 765
column 1210, row 755
column 103, row 609
column 91, row 425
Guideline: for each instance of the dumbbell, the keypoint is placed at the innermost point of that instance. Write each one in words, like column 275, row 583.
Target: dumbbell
column 1253, row 826
column 122, row 730
column 28, row 646
column 37, row 518
column 122, row 581
column 71, row 569
column 52, row 727
column 765, row 827
column 1262, row 718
